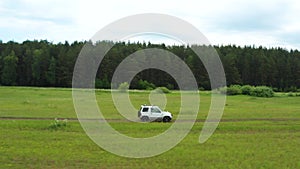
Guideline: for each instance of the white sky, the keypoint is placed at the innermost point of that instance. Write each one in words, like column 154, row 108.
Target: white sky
column 252, row 22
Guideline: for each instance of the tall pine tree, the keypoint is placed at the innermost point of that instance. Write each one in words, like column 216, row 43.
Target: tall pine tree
column 9, row 72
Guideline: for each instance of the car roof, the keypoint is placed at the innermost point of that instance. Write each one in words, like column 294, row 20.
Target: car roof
column 148, row 106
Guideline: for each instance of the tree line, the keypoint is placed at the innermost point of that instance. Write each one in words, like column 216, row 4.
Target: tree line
column 42, row 63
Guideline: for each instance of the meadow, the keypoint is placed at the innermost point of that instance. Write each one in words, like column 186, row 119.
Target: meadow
column 254, row 132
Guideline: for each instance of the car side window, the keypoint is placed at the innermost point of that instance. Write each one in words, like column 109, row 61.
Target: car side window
column 145, row 109
column 155, row 110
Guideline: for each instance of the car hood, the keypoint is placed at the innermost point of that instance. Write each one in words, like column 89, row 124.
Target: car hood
column 167, row 113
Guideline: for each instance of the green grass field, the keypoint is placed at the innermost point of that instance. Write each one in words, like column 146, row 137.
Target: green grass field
column 254, row 133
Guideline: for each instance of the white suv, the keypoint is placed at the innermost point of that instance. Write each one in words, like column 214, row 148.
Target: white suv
column 153, row 113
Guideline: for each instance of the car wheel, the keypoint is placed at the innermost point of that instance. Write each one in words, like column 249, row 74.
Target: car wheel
column 166, row 119
column 145, row 119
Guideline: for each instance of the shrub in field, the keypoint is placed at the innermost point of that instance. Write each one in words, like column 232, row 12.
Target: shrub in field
column 247, row 89
column 144, row 84
column 291, row 94
column 201, row 89
column 123, row 87
column 162, row 90
column 275, row 89
column 291, row 89
column 262, row 91
column 170, row 86
column 259, row 91
column 102, row 84
column 223, row 90
column 58, row 124
column 232, row 90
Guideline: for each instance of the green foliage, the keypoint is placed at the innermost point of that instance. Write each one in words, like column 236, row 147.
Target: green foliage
column 51, row 73
column 247, row 89
column 223, row 90
column 36, row 66
column 123, row 87
column 9, row 72
column 170, row 86
column 234, row 90
column 232, row 74
column 201, row 89
column 291, row 89
column 162, row 90
column 41, row 63
column 145, row 85
column 102, row 83
column 231, row 90
column 262, row 91
column 259, row 91
column 58, row 124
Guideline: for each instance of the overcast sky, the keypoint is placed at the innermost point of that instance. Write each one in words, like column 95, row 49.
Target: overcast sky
column 252, row 22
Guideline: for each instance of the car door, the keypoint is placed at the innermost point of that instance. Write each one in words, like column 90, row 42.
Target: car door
column 156, row 113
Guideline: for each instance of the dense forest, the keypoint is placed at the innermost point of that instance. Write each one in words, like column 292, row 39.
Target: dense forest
column 41, row 63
